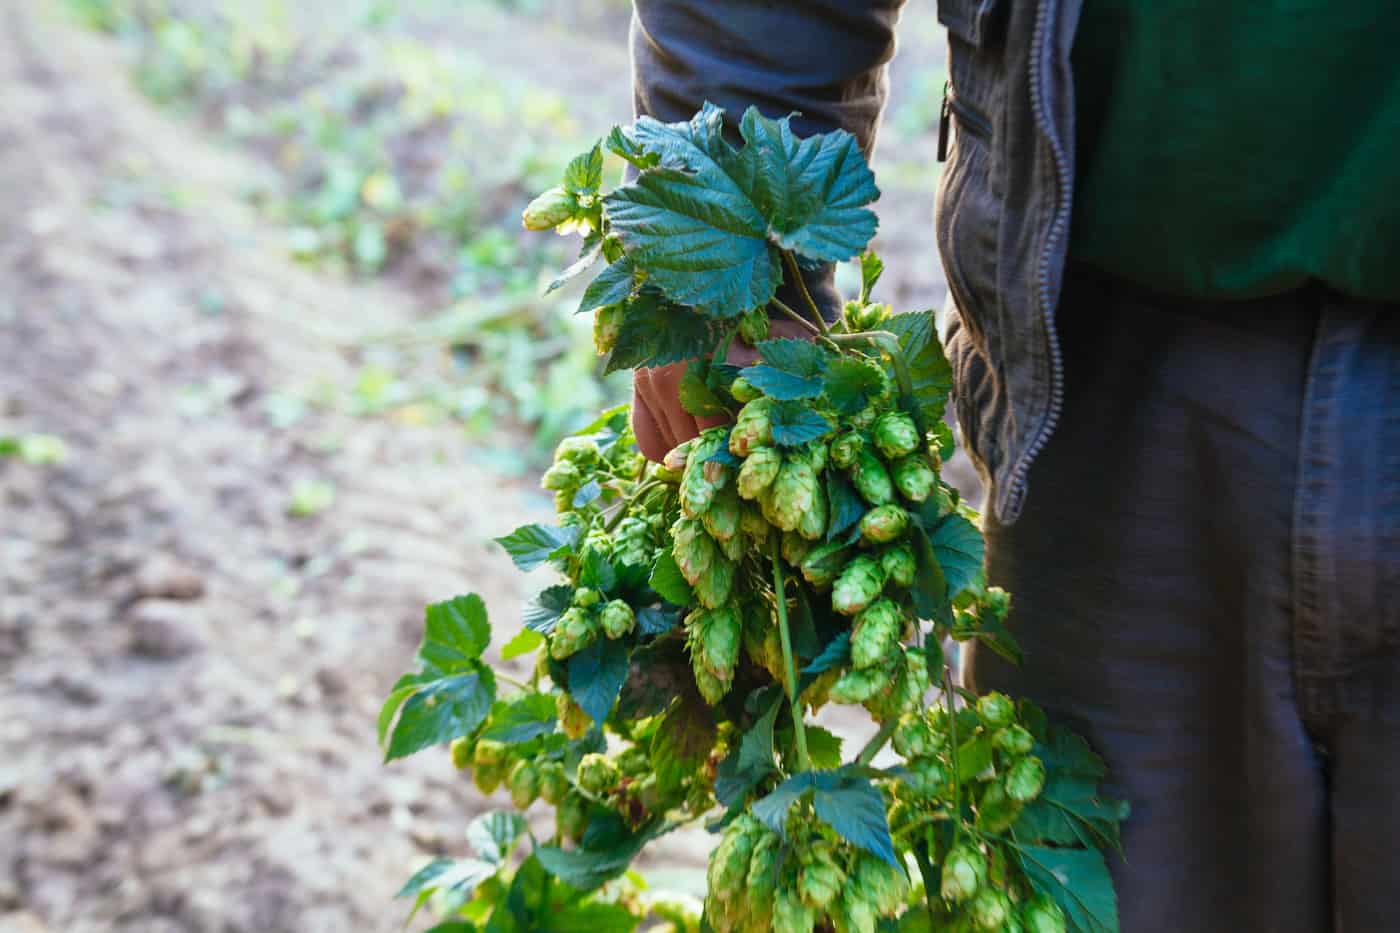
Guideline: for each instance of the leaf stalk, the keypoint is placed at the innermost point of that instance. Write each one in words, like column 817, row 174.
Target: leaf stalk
column 789, row 667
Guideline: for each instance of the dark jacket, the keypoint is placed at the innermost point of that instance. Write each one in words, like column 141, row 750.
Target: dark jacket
column 1003, row 205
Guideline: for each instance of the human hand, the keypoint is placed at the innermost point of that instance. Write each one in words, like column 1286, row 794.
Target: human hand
column 659, row 421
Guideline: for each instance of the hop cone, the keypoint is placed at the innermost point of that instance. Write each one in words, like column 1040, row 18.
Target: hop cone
column 871, row 479
column 573, row 721
column 762, row 880
column 823, row 563
column 693, row 548
column 913, row 682
column 996, row 710
column 714, row 637
column 586, row 596
column 759, row 470
column 794, row 494
column 989, row 909
column 632, row 542
column 563, row 476
column 812, row 524
column 895, row 435
column 790, row 915
column 913, row 738
column 722, row 518
column 581, row 450
column 1042, row 915
column 819, row 877
column 762, row 643
column 859, row 684
column 549, row 210
column 734, row 548
column 729, row 862
column 607, row 324
column 597, row 774
column 571, row 819
column 913, row 478
column 996, row 811
column 488, row 777
column 858, row 585
column 714, row 588
column 574, row 632
column 964, row 870
column 927, row 777
column 753, row 326
column 853, row 913
column 754, row 526
column 617, row 618
column 880, row 883
column 884, row 524
column 461, row 750
column 743, row 390
column 697, row 488
column 553, row 783
column 1026, row 779
column 899, row 564
column 524, row 784
column 753, row 428
column 845, row 449
column 877, row 631
column 814, row 454
column 711, row 688
column 489, row 752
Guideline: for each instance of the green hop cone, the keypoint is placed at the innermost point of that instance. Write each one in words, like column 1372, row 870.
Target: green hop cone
column 759, row 470
column 763, row 644
column 812, row 524
column 845, row 449
column 721, row 520
column 549, row 210
column 762, row 879
column 729, row 862
column 571, row 819
column 850, row 313
column 914, row 478
column 586, row 597
column 753, row 326
column 461, row 751
column 574, row 632
column 865, row 417
column 814, row 454
column 1014, row 741
column 819, row 875
column 715, row 637
column 734, row 548
column 877, row 631
column 823, row 563
column 564, row 500
column 743, row 390
column 488, row 777
column 607, row 324
column 672, row 466
column 880, row 883
column 964, row 871
column 795, row 548
column 580, row 450
column 632, row 542
column 997, row 602
column 753, row 428
column 995, row 810
column 1026, row 779
column 928, row 778
column 711, row 688
column 884, row 524
column 895, row 435
column 597, row 774
column 996, row 710
column 853, row 913
column 554, row 784
column 912, row 685
column 713, row 589
column 899, row 564
column 573, row 721
column 790, row 915
column 1043, row 915
column 489, row 752
column 794, row 494
column 697, row 490
column 871, row 479
column 754, row 526
column 859, row 684
column 913, row 738
column 617, row 619
column 563, row 476
column 693, row 548
column 858, row 585
column 523, row 782
column 989, row 909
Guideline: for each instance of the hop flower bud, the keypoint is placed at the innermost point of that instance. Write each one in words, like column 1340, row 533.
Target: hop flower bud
column 571, row 819
column 996, row 710
column 895, row 435
column 762, row 878
column 461, row 750
column 995, row 810
column 753, row 326
column 872, row 316
column 711, row 688
column 549, row 210
column 586, row 596
column 964, row 871
column 884, row 524
column 763, row 644
column 794, row 494
column 488, row 777
column 729, row 862
column 1042, row 915
column 853, row 912
column 913, row 738
column 743, row 390
column 865, row 417
column 1014, row 741
column 989, row 909
column 561, row 477
column 597, row 774
column 813, row 453
column 489, row 752
column 607, row 324
column 795, row 548
column 876, row 633
column 812, row 523
column 823, row 563
column 880, row 883
column 1026, row 779
column 721, row 520
column 914, row 478
column 790, row 915
column 574, row 632
column 850, row 313
column 617, row 618
column 899, row 564
column 859, row 684
column 573, row 721
column 753, row 428
column 714, row 588
column 714, row 637
column 845, row 448
column 759, row 470
column 927, row 777
column 523, row 784
column 997, row 602
column 554, row 785
column 693, row 549
column 632, row 542
column 871, row 479
column 697, row 490
column 580, row 450
column 677, row 457
column 819, row 876
column 858, row 585
column 754, row 526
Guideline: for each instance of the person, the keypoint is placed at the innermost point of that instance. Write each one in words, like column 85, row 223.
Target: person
column 1171, row 236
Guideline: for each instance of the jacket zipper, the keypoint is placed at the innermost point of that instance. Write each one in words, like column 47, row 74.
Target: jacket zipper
column 1057, row 228
column 968, row 119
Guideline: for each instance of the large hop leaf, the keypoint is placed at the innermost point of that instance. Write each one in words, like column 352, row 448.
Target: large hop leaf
column 704, row 222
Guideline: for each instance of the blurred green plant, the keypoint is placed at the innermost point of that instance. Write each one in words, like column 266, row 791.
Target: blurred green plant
column 34, row 449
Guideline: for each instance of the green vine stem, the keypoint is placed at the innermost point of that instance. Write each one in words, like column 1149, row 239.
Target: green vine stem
column 801, row 283
column 877, row 742
column 794, row 315
column 790, row 669
column 642, row 490
column 948, row 695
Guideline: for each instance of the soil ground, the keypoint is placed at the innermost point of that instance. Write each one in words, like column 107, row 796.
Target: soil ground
column 188, row 673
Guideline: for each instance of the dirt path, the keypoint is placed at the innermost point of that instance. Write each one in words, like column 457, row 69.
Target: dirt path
column 188, row 676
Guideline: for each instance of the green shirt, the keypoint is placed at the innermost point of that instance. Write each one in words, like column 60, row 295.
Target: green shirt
column 1234, row 150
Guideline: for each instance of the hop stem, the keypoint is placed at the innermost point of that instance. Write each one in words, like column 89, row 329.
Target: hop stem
column 801, row 283
column 953, row 749
column 642, row 490
column 789, row 667
column 877, row 741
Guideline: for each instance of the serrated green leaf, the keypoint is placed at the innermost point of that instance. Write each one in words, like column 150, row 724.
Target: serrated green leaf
column 532, row 545
column 682, row 742
column 584, row 173
column 696, row 396
column 596, row 675
column 455, row 634
column 1070, row 810
column 797, row 357
column 844, row 799
column 871, row 268
column 457, row 877
column 930, row 589
column 657, row 673
column 524, row 642
column 1078, row 881
column 974, row 757
column 611, row 286
column 751, row 762
column 668, row 581
column 836, row 653
column 850, row 385
column 589, row 867
column 441, row 710
column 591, row 916
column 621, row 143
column 929, row 371
column 580, row 266
column 597, row 571
column 544, row 610
column 781, row 385
column 845, row 506
column 655, row 332
column 823, row 747
column 521, row 719
column 655, row 620
column 959, row 548
column 795, row 424
column 492, row 835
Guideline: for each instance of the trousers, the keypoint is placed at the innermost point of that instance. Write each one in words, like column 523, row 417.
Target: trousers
column 1206, row 584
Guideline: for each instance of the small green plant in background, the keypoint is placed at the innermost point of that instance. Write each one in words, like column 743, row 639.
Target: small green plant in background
column 34, row 449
